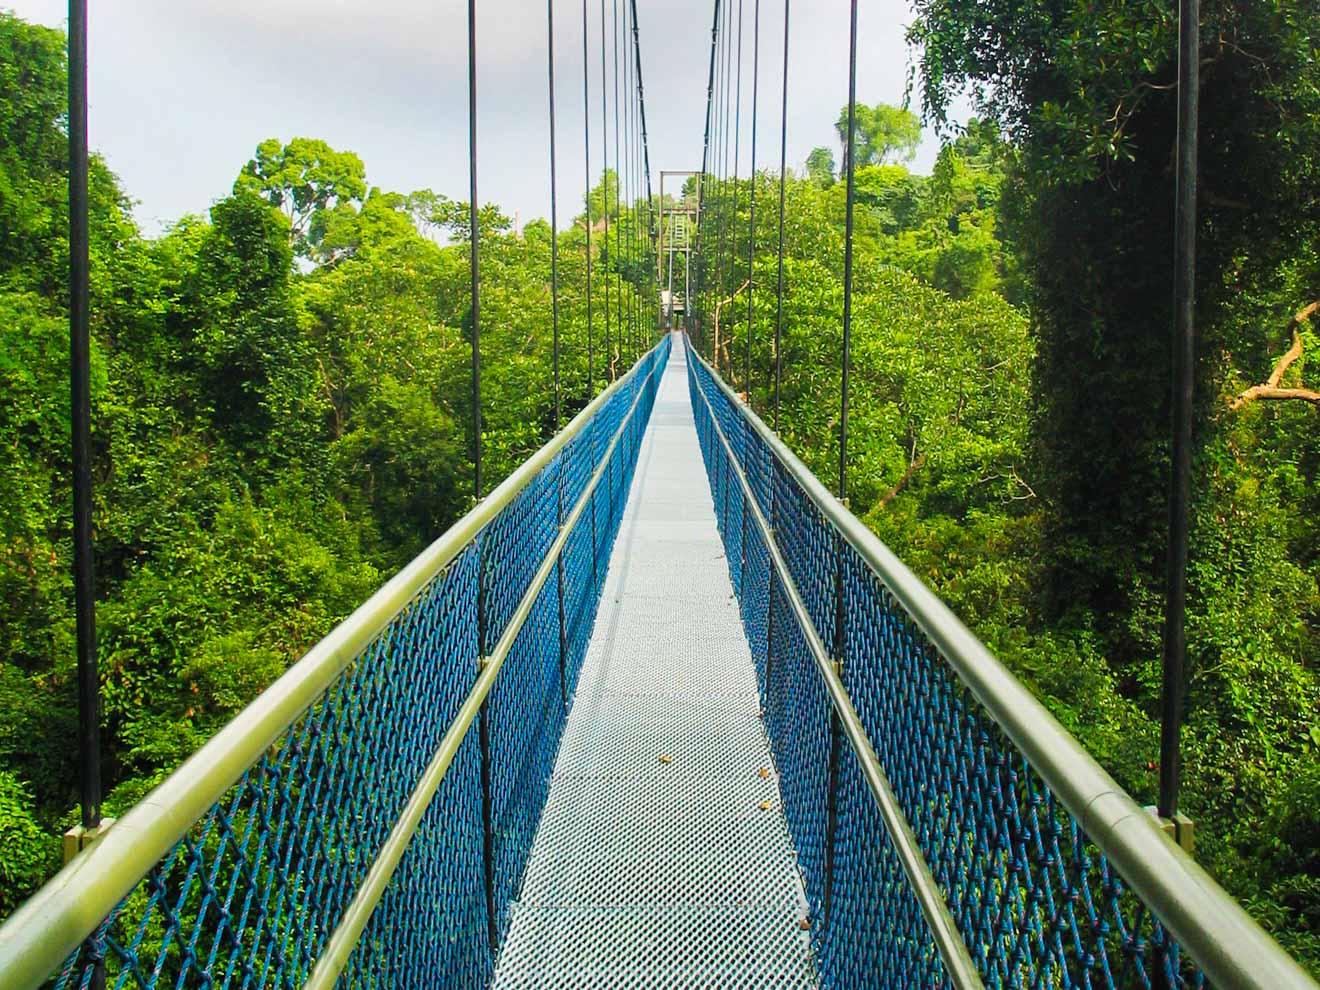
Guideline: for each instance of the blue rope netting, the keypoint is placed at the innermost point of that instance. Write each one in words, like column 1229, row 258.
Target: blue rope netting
column 249, row 897
column 1036, row 902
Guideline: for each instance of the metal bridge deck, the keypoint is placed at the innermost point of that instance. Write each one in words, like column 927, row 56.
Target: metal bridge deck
column 663, row 858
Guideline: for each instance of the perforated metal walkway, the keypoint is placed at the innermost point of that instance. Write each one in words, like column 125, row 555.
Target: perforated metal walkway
column 662, row 857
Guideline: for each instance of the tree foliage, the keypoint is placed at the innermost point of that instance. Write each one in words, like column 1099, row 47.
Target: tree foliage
column 883, row 134
column 281, row 420
column 1008, row 415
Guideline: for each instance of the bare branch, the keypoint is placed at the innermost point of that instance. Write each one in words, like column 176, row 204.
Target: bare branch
column 1272, row 389
column 890, row 495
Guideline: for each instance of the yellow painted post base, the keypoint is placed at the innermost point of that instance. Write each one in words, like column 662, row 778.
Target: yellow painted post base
column 78, row 838
column 1180, row 828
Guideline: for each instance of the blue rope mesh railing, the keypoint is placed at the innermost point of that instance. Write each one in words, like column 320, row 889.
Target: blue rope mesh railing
column 1036, row 901
column 254, row 889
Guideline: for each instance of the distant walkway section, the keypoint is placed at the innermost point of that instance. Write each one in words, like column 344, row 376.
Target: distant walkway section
column 663, row 858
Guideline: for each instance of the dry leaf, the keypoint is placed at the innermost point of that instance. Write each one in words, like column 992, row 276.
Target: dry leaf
column 764, row 805
column 665, row 758
column 765, row 773
column 805, row 924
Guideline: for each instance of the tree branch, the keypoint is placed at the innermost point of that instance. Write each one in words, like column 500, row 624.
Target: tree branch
column 890, row 495
column 1271, row 389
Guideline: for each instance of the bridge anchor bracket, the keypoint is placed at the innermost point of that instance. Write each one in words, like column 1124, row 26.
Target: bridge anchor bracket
column 1179, row 828
column 79, row 838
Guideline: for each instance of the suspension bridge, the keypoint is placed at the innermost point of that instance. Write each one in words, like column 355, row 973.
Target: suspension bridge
column 659, row 711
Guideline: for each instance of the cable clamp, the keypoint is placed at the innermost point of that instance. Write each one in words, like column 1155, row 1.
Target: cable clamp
column 1179, row 828
column 79, row 838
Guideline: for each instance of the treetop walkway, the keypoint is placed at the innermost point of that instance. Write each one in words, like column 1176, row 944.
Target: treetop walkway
column 738, row 746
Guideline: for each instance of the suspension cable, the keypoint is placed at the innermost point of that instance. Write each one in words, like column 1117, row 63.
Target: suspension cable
column 618, row 158
column 605, row 256
column 652, row 231
column 783, row 176
column 737, row 151
column 721, row 172
column 474, row 259
column 626, row 183
column 851, row 164
column 84, row 561
column 634, row 228
column 751, row 203
column 586, row 148
column 554, row 211
column 705, row 158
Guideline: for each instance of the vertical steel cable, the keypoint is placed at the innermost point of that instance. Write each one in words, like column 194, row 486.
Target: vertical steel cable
column 712, row 290
column 840, row 613
column 783, row 178
column 778, row 345
column 652, row 230
column 722, row 172
column 635, row 190
column 702, row 181
column 475, row 268
column 554, row 211
column 1184, row 371
column 586, row 149
column 605, row 255
column 730, row 190
column 625, row 180
column 737, row 150
column 483, row 723
column 80, row 388
column 618, row 211
column 851, row 167
column 751, row 205
column 634, row 194
column 554, row 319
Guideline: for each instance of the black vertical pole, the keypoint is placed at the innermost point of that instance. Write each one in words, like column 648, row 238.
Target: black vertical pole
column 779, row 327
column 737, row 155
column 84, row 586
column 586, row 154
column 840, row 628
column 618, row 157
column 783, row 175
column 751, row 204
column 1184, row 356
column 554, row 319
column 605, row 254
column 851, row 170
column 554, row 211
column 483, row 722
column 705, row 165
column 473, row 262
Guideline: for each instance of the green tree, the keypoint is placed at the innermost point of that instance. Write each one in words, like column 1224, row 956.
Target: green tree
column 305, row 179
column 883, row 133
column 1087, row 95
column 820, row 166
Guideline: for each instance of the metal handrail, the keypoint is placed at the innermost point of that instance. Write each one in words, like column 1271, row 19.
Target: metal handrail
column 53, row 922
column 958, row 964
column 1232, row 949
column 337, row 950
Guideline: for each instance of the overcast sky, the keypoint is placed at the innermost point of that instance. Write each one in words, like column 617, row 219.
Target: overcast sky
column 182, row 91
